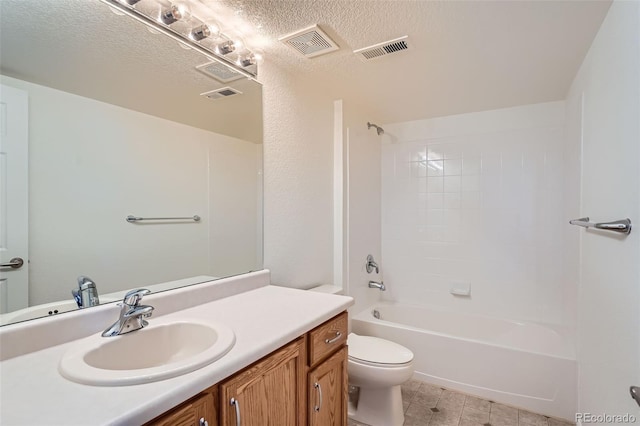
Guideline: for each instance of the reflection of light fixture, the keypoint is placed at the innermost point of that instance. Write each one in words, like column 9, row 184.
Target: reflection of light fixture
column 247, row 60
column 209, row 29
column 226, row 47
column 190, row 35
column 176, row 12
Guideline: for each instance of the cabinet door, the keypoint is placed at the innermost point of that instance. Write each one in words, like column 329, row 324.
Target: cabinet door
column 269, row 393
column 328, row 390
column 198, row 412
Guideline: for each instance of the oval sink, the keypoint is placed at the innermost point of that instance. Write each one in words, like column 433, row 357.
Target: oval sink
column 157, row 352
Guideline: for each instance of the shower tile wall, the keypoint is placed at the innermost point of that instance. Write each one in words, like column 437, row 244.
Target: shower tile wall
column 477, row 199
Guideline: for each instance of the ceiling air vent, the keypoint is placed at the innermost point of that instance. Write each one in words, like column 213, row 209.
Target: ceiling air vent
column 310, row 42
column 219, row 72
column 225, row 92
column 383, row 49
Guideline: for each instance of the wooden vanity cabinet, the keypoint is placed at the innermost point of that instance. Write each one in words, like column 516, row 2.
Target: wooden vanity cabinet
column 270, row 392
column 327, row 384
column 201, row 410
column 304, row 382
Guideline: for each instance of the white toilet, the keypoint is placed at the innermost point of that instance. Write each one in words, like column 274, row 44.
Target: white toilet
column 378, row 367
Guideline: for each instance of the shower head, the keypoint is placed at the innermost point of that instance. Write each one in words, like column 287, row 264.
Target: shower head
column 379, row 129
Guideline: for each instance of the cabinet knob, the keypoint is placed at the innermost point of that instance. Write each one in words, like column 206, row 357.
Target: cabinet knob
column 203, row 422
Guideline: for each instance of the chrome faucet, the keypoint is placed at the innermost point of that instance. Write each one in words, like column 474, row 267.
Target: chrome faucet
column 132, row 314
column 87, row 293
column 371, row 265
column 379, row 285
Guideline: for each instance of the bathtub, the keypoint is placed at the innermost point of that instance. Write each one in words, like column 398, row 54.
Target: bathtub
column 526, row 365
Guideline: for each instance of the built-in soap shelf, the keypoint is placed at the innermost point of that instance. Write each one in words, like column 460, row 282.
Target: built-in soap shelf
column 460, row 288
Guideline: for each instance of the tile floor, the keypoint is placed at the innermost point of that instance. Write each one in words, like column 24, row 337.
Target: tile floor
column 428, row 405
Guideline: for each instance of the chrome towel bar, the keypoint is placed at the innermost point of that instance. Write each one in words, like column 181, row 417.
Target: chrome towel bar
column 133, row 219
column 622, row 226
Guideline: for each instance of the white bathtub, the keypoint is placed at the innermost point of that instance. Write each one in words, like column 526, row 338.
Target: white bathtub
column 526, row 365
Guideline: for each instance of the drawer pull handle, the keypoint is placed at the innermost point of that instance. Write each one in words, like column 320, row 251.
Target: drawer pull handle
column 236, row 404
column 203, row 422
column 335, row 339
column 319, row 389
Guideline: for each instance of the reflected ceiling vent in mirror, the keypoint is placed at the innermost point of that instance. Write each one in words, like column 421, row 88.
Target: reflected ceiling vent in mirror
column 310, row 42
column 383, row 49
column 225, row 92
column 219, row 72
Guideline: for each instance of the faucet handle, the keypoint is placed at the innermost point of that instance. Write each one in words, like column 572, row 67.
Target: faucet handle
column 133, row 297
column 143, row 311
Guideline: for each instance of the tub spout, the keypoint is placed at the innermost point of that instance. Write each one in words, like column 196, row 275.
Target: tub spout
column 379, row 285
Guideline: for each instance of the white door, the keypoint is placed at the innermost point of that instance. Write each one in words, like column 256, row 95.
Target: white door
column 14, row 198
column 609, row 327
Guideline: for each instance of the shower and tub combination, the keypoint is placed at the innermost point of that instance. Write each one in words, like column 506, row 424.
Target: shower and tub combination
column 526, row 365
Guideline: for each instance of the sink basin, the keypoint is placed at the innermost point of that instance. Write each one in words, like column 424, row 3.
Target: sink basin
column 159, row 351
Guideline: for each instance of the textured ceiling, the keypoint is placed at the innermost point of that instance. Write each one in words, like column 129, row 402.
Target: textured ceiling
column 81, row 47
column 466, row 55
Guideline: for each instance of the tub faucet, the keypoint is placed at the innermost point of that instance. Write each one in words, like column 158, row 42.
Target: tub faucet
column 87, row 293
column 371, row 265
column 132, row 314
column 379, row 285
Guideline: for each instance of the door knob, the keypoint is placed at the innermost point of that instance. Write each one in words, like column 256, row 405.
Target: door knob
column 635, row 393
column 14, row 263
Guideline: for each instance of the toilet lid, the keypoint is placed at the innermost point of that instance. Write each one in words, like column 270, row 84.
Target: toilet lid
column 376, row 350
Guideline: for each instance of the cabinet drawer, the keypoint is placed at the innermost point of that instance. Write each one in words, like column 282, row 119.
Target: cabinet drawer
column 199, row 411
column 327, row 338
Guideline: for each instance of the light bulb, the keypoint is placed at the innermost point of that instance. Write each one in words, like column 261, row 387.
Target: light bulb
column 131, row 2
column 225, row 48
column 176, row 12
column 208, row 29
column 246, row 60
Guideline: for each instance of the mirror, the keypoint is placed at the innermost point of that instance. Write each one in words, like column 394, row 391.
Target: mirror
column 117, row 126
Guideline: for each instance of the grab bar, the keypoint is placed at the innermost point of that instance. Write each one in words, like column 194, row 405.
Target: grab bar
column 622, row 226
column 133, row 219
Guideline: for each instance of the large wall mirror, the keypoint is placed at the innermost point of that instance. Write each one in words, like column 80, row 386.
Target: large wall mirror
column 116, row 126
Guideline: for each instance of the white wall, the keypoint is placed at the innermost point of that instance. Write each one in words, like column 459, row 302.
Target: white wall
column 91, row 164
column 477, row 198
column 298, row 180
column 603, row 111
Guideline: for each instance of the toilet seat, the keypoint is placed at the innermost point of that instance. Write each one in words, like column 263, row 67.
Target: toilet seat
column 374, row 351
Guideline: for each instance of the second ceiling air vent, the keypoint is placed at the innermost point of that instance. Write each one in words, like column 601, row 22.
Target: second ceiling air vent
column 225, row 92
column 383, row 49
column 310, row 42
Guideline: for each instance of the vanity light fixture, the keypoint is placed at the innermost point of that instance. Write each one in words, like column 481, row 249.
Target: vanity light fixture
column 247, row 60
column 240, row 61
column 226, row 47
column 209, row 29
column 176, row 12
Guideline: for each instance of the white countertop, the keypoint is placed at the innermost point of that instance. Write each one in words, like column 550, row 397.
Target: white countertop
column 33, row 392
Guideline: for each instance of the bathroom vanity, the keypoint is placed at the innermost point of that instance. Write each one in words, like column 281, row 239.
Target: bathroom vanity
column 287, row 366
column 304, row 382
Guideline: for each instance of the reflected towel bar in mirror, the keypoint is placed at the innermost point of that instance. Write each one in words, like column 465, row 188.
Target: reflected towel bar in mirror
column 622, row 226
column 133, row 219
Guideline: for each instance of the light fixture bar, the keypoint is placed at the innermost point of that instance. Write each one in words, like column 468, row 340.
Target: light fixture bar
column 178, row 37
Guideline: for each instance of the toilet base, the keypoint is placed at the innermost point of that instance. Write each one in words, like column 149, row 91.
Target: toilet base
column 379, row 406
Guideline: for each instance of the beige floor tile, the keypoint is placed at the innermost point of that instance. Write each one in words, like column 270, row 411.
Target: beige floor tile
column 502, row 415
column 425, row 400
column 556, row 422
column 465, row 422
column 429, row 389
column 477, row 403
column 450, row 399
column 526, row 418
column 474, row 415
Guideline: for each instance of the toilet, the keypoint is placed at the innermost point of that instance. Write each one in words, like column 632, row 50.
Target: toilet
column 378, row 367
